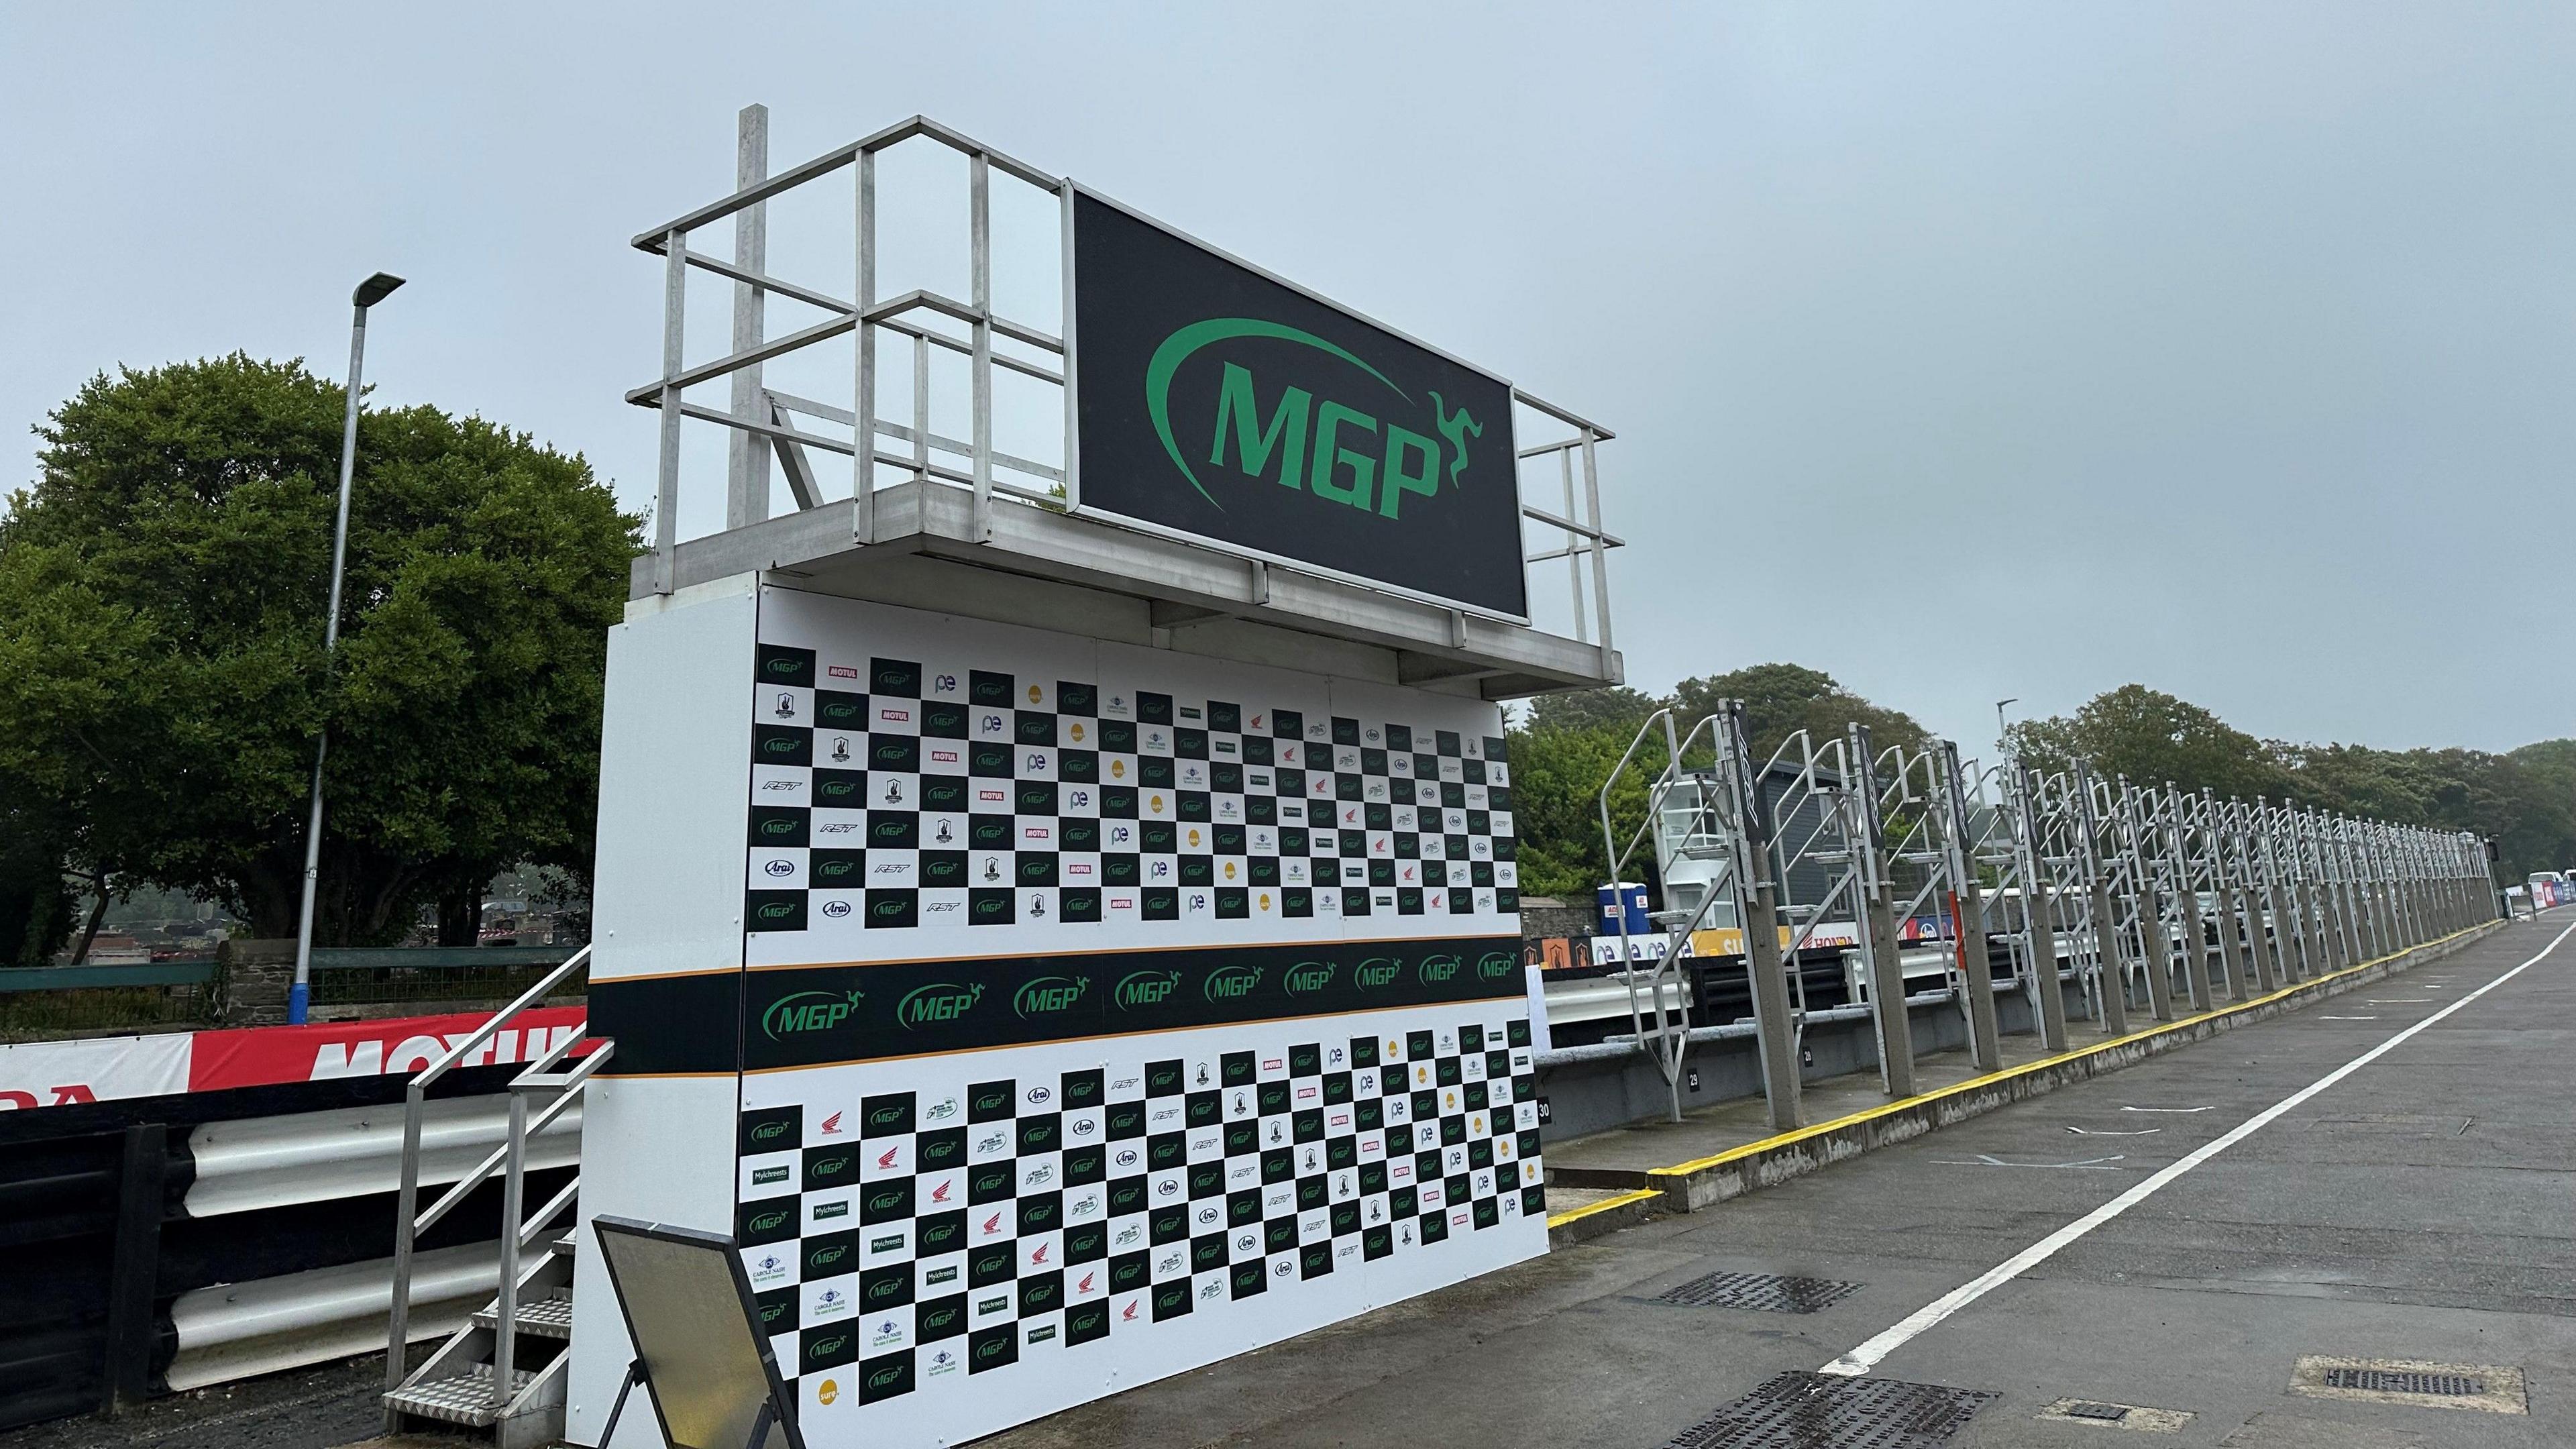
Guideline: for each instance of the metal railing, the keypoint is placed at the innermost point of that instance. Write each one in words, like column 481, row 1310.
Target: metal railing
column 49, row 1000
column 393, row 975
column 517, row 1228
column 768, row 422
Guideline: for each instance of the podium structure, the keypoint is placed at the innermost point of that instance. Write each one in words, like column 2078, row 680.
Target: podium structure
column 1059, row 916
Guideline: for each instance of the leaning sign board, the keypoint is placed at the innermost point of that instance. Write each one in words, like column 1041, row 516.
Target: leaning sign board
column 1216, row 402
column 1090, row 1012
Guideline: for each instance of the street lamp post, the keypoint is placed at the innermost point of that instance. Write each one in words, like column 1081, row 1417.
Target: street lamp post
column 299, row 998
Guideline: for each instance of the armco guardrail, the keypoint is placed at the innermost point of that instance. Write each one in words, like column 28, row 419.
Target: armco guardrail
column 156, row 1237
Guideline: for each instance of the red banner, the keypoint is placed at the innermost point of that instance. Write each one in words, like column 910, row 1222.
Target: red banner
column 400, row 1046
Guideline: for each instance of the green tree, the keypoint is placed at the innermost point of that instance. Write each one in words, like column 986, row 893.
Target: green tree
column 2153, row 737
column 1617, row 707
column 162, row 677
column 1781, row 699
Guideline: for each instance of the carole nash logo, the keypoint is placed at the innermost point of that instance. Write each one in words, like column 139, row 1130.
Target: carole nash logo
column 806, row 1013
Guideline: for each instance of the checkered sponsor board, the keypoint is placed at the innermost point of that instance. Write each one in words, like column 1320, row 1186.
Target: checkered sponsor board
column 944, row 1247
column 1102, row 1011
column 906, row 780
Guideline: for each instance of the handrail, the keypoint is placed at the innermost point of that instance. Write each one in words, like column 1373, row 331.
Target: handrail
column 514, row 1227
column 415, row 1094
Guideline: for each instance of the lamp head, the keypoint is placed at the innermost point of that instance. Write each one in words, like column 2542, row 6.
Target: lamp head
column 375, row 289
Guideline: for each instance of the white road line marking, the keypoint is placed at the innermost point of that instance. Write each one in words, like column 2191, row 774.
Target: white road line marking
column 2089, row 1164
column 2347, row 1018
column 2093, row 1132
column 1868, row 1355
column 2168, row 1109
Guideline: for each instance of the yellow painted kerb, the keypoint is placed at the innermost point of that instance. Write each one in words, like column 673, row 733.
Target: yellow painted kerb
column 1558, row 1220
column 1767, row 1144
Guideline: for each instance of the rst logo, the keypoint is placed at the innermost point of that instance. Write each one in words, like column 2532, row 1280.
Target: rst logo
column 1231, row 983
column 1308, row 977
column 937, row 1004
column 807, row 1012
column 1378, row 971
column 1139, row 989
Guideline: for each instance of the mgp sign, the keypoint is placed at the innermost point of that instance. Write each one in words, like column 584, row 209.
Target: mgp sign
column 1217, row 402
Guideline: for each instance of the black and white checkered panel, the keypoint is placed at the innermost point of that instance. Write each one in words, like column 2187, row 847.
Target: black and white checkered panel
column 1010, row 1219
column 896, row 795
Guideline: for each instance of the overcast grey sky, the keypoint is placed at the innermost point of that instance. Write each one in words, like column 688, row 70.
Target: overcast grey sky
column 1961, row 351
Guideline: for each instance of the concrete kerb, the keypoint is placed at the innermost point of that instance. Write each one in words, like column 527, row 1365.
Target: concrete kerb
column 1591, row 1220
column 1705, row 1182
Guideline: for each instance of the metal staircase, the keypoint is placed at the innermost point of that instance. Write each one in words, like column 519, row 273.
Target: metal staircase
column 505, row 1370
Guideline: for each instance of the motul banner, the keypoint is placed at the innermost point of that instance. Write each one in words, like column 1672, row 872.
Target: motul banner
column 260, row 1055
column 99, row 1069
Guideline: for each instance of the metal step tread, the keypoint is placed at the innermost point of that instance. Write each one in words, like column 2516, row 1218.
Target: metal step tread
column 566, row 1244
column 465, row 1399
column 538, row 1317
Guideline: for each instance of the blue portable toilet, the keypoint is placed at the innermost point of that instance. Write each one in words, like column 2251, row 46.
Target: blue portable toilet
column 1626, row 898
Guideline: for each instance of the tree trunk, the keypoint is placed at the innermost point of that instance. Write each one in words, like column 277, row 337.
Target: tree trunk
column 97, row 913
column 460, row 916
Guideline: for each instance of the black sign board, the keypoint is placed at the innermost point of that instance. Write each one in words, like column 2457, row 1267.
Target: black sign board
column 1218, row 403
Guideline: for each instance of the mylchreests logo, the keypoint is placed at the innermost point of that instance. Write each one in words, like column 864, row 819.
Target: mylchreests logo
column 807, row 1012
column 1355, row 449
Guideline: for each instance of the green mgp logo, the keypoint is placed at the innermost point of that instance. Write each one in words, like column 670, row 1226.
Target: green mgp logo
column 1378, row 971
column 1145, row 988
column 807, row 1012
column 938, row 1003
column 1354, row 450
column 1047, row 996
column 1231, row 983
column 1308, row 977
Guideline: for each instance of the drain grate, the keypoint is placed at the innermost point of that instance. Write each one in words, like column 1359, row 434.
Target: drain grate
column 2397, row 1381
column 1827, row 1411
column 2106, row 1413
column 1764, row 1292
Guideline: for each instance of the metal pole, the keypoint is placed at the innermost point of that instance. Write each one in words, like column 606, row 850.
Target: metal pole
column 2050, row 1002
column 299, row 997
column 2110, row 973
column 747, row 454
column 1967, row 915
